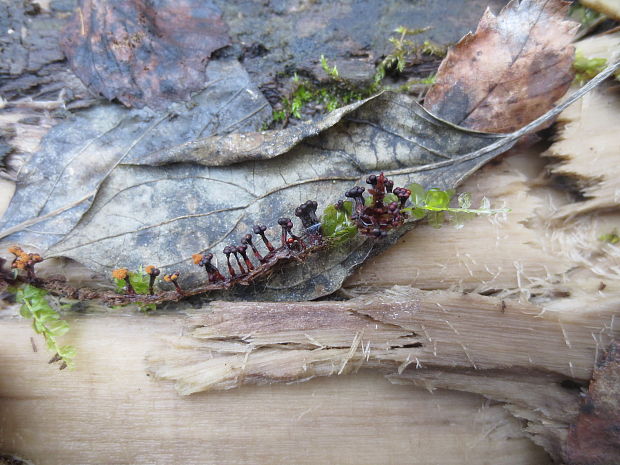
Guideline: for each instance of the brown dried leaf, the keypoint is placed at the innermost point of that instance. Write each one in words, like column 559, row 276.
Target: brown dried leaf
column 510, row 71
column 595, row 437
column 144, row 54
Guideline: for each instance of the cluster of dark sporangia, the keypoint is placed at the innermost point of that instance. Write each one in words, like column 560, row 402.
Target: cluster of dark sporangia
column 379, row 217
column 373, row 216
column 374, row 219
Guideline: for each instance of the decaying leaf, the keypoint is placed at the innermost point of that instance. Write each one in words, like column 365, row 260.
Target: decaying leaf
column 165, row 214
column 142, row 53
column 59, row 182
column 511, row 71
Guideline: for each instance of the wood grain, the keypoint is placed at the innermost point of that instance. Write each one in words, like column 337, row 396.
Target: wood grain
column 109, row 411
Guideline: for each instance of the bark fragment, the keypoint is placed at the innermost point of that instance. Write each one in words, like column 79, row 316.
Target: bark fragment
column 399, row 329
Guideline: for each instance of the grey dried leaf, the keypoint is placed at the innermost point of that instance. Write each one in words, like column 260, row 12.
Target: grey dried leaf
column 58, row 184
column 238, row 147
column 163, row 214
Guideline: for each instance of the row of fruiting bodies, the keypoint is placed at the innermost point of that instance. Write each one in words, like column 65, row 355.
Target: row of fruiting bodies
column 373, row 216
column 291, row 243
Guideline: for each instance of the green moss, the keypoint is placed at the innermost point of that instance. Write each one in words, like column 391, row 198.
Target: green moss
column 337, row 91
column 279, row 115
column 331, row 72
column 140, row 282
column 586, row 68
column 584, row 15
column 336, row 222
column 406, row 52
column 333, row 94
column 45, row 321
column 610, row 238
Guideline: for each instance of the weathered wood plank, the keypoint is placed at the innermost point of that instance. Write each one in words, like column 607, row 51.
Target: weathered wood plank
column 109, row 411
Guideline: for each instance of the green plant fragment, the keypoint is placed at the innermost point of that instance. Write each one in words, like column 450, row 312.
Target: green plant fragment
column 418, row 194
column 331, row 72
column 434, row 205
column 336, row 223
column 610, row 238
column 67, row 352
column 584, row 15
column 464, row 200
column 436, row 218
column 139, row 281
column 389, row 198
column 45, row 321
column 587, row 68
column 147, row 307
column 437, row 199
column 407, row 52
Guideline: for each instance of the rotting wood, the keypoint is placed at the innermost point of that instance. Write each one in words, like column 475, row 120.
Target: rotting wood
column 608, row 7
column 593, row 164
column 594, row 438
column 546, row 403
column 521, row 354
